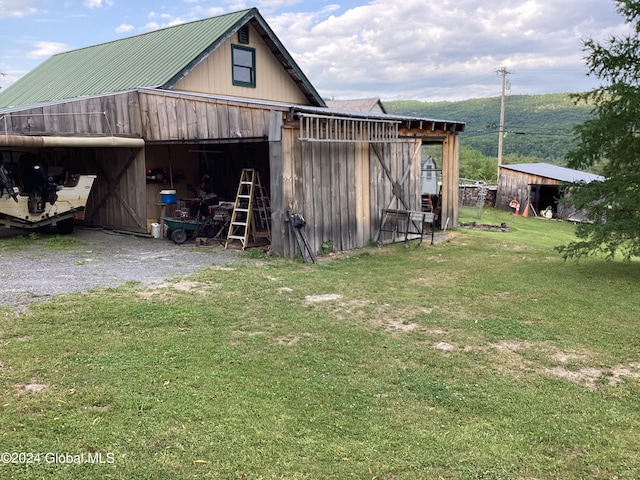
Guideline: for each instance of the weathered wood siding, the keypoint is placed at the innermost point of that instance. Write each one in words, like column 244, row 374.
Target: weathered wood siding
column 168, row 116
column 214, row 75
column 118, row 198
column 450, row 180
column 514, row 185
column 340, row 189
column 157, row 116
column 108, row 115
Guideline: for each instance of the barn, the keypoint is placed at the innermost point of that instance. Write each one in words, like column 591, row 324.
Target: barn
column 190, row 106
column 539, row 186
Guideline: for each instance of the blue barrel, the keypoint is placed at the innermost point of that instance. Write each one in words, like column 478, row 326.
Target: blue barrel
column 168, row 197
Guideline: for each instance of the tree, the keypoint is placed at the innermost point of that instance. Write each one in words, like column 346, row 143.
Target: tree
column 476, row 166
column 611, row 139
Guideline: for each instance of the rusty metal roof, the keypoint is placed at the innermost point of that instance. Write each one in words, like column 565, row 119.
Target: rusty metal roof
column 155, row 59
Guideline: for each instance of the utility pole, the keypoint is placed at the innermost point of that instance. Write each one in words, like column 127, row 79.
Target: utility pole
column 504, row 72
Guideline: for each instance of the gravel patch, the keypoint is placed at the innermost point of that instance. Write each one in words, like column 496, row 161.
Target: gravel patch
column 32, row 272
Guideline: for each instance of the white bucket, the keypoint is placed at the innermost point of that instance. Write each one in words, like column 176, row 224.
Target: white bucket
column 155, row 230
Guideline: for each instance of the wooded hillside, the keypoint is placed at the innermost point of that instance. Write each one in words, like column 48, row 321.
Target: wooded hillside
column 538, row 126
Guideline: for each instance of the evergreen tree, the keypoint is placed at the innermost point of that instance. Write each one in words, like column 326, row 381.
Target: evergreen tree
column 611, row 139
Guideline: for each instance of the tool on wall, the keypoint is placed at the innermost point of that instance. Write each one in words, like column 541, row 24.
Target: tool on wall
column 297, row 223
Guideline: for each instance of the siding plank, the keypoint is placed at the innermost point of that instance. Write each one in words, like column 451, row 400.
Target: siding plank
column 223, row 120
column 246, row 123
column 192, row 119
column 202, row 124
column 212, row 120
column 235, row 122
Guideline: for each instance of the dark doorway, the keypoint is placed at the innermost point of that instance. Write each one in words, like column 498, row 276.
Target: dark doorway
column 544, row 196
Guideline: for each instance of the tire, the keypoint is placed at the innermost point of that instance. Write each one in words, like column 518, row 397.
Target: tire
column 66, row 226
column 179, row 236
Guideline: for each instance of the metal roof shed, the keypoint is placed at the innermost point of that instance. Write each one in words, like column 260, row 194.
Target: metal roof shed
column 538, row 184
column 553, row 172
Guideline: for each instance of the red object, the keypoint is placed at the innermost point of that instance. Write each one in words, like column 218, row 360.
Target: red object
column 515, row 204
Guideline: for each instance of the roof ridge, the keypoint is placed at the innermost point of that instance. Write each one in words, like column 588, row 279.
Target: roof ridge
column 157, row 30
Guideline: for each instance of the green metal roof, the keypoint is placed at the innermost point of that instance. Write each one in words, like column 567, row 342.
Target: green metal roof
column 155, row 59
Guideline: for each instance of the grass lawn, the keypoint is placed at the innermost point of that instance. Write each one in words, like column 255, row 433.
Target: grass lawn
column 485, row 356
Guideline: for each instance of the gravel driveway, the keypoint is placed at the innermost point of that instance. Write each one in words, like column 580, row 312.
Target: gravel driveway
column 29, row 271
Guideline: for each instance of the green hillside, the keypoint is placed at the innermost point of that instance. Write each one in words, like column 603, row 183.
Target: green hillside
column 538, row 127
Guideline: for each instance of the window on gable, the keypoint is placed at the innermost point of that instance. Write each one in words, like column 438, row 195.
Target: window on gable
column 244, row 66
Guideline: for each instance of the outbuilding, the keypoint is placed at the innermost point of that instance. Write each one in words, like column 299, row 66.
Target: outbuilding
column 190, row 106
column 539, row 186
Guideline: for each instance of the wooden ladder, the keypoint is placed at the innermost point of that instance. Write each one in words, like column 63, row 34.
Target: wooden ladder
column 263, row 209
column 251, row 199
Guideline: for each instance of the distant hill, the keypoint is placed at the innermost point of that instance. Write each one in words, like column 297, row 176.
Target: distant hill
column 537, row 126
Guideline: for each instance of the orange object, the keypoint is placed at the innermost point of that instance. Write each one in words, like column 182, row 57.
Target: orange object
column 526, row 211
column 515, row 204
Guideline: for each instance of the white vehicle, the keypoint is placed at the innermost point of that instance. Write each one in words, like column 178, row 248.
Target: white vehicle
column 32, row 195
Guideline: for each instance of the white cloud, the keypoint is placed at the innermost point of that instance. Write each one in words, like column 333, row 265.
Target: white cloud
column 200, row 12
column 400, row 48
column 168, row 20
column 124, row 28
column 429, row 48
column 17, row 8
column 97, row 3
column 46, row 49
column 272, row 5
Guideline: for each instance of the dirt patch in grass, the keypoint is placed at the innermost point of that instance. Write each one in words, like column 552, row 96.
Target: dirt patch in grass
column 517, row 358
column 288, row 340
column 220, row 268
column 349, row 310
column 188, row 286
column 592, row 377
column 325, row 297
column 291, row 340
column 436, row 331
column 250, row 334
column 437, row 259
column 503, row 227
column 31, row 388
column 587, row 376
column 425, row 281
column 632, row 370
column 164, row 290
column 510, row 346
column 399, row 325
column 445, row 346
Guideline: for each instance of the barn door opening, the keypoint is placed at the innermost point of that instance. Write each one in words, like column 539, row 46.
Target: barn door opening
column 545, row 196
column 115, row 200
column 399, row 187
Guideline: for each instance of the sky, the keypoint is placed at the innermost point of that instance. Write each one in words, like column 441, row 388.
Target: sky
column 391, row 49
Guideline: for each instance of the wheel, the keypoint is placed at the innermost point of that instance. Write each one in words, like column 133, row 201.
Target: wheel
column 66, row 226
column 179, row 236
